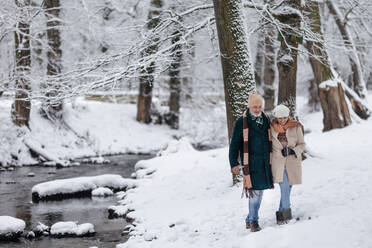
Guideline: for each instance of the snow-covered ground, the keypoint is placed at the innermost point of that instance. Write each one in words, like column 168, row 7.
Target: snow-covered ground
column 189, row 201
column 94, row 128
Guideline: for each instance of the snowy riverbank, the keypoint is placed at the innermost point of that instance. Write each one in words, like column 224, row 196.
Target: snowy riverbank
column 189, row 202
column 98, row 128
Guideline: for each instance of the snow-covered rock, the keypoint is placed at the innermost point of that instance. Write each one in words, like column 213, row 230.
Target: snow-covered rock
column 70, row 228
column 41, row 229
column 11, row 228
column 102, row 191
column 117, row 211
column 79, row 186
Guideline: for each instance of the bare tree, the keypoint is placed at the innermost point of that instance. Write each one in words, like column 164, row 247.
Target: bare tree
column 359, row 84
column 22, row 104
column 237, row 68
column 53, row 110
column 259, row 63
column 332, row 98
column 147, row 77
column 269, row 68
column 290, row 17
column 175, row 82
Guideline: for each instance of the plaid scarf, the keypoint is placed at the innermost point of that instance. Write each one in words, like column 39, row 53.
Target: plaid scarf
column 247, row 182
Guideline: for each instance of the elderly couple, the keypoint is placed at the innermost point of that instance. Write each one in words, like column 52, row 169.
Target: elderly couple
column 270, row 152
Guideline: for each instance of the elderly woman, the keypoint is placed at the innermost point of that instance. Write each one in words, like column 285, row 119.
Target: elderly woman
column 288, row 145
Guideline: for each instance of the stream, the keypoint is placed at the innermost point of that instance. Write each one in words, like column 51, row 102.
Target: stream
column 15, row 200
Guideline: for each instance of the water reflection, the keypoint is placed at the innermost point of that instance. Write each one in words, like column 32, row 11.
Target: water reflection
column 15, row 200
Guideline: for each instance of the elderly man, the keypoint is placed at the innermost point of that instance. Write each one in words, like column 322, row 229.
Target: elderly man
column 251, row 139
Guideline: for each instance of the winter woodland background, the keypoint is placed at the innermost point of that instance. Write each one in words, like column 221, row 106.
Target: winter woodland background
column 165, row 56
column 90, row 78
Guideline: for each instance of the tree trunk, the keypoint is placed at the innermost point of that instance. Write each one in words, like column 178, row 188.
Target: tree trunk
column 188, row 72
column 175, row 83
column 287, row 55
column 259, row 63
column 53, row 107
column 22, row 104
column 147, row 77
column 359, row 84
column 269, row 69
column 332, row 98
column 237, row 68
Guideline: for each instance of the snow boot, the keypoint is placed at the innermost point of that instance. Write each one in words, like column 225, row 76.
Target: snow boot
column 255, row 227
column 247, row 225
column 280, row 220
column 287, row 214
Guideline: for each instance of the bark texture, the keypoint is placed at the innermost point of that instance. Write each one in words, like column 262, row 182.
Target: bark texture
column 53, row 107
column 332, row 98
column 237, row 68
column 147, row 77
column 22, row 104
column 287, row 55
column 175, row 83
column 269, row 69
column 359, row 84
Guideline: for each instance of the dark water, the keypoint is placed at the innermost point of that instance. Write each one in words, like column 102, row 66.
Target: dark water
column 15, row 200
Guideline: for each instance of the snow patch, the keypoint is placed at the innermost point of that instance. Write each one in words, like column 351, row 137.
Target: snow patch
column 102, row 191
column 10, row 224
column 70, row 228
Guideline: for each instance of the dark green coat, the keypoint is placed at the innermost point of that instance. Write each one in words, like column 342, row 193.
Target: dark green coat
column 259, row 151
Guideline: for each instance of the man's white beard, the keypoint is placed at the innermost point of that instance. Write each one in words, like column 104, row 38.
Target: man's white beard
column 256, row 115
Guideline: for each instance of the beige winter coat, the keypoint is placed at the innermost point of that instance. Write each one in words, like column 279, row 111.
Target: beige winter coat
column 292, row 163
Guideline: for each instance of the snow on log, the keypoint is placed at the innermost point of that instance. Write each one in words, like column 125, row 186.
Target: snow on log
column 11, row 228
column 71, row 229
column 79, row 187
column 38, row 149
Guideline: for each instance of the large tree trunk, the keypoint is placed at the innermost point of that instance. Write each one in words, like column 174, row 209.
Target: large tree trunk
column 237, row 68
column 175, row 82
column 22, row 104
column 53, row 106
column 287, row 55
column 359, row 84
column 269, row 69
column 332, row 98
column 147, row 77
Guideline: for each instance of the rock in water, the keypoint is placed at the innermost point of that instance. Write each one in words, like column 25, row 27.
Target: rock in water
column 71, row 229
column 11, row 228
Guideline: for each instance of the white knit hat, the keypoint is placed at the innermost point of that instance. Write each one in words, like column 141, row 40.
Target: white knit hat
column 281, row 111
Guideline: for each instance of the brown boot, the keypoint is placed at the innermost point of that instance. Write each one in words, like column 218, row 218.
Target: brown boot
column 247, row 225
column 255, row 227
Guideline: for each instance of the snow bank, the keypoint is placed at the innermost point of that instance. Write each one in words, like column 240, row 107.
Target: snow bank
column 182, row 145
column 79, row 186
column 70, row 228
column 102, row 191
column 11, row 228
column 189, row 201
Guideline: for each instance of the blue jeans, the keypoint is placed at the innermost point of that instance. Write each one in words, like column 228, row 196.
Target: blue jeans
column 254, row 205
column 285, row 193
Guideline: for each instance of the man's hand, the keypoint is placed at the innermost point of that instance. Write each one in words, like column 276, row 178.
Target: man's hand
column 235, row 170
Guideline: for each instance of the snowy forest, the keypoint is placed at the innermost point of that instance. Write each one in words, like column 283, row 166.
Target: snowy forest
column 116, row 119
